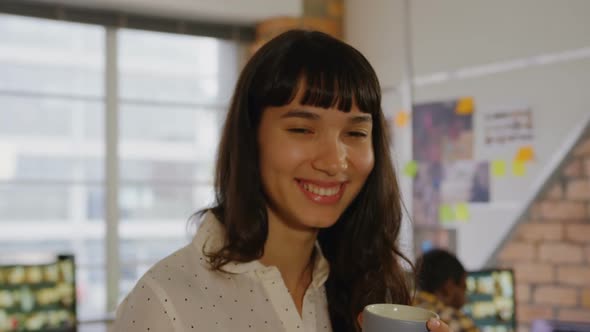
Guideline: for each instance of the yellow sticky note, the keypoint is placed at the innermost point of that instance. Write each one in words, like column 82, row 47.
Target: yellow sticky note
column 465, row 106
column 462, row 212
column 445, row 213
column 402, row 118
column 518, row 168
column 411, row 169
column 498, row 168
column 525, row 153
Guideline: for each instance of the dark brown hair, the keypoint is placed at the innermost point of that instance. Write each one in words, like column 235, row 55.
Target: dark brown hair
column 365, row 262
column 435, row 267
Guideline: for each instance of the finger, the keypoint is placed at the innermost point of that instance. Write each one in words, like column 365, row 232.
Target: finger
column 435, row 325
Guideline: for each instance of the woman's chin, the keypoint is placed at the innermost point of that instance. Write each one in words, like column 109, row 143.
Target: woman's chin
column 320, row 221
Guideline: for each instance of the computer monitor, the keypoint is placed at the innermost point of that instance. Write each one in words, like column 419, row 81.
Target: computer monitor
column 542, row 325
column 38, row 297
column 491, row 300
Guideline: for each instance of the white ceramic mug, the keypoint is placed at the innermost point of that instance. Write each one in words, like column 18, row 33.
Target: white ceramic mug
column 385, row 317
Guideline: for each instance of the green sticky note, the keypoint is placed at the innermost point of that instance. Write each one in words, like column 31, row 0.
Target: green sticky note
column 519, row 168
column 445, row 213
column 498, row 168
column 411, row 169
column 462, row 212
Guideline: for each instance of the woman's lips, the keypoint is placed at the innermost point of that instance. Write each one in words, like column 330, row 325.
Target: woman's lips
column 322, row 192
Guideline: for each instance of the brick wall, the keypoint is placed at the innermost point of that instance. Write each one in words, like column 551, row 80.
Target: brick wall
column 550, row 249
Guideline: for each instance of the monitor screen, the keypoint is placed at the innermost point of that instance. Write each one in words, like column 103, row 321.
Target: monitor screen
column 39, row 297
column 491, row 300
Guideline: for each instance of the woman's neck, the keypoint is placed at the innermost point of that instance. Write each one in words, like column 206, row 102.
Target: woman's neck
column 290, row 249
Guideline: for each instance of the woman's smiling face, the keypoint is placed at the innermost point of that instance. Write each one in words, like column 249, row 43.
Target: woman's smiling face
column 313, row 161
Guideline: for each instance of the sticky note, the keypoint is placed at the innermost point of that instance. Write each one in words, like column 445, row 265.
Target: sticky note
column 498, row 168
column 462, row 212
column 465, row 106
column 445, row 213
column 411, row 169
column 525, row 153
column 518, row 168
column 402, row 118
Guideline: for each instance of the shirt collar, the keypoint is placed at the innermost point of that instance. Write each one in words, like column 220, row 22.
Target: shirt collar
column 210, row 238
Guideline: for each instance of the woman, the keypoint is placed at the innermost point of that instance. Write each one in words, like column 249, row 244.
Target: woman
column 303, row 233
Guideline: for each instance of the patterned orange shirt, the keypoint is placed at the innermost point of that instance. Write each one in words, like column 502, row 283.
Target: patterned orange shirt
column 456, row 319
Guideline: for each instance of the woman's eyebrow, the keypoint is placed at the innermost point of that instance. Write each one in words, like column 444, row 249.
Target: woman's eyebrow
column 298, row 113
column 303, row 114
column 360, row 119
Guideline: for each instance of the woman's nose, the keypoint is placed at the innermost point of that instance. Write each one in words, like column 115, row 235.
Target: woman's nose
column 331, row 157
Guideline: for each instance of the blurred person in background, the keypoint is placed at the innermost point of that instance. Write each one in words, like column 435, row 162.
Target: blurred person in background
column 441, row 281
column 303, row 232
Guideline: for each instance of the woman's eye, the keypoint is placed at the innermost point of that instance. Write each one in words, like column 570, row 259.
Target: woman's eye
column 360, row 134
column 300, row 130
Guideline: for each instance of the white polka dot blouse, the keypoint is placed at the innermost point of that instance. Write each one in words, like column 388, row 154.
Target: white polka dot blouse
column 181, row 293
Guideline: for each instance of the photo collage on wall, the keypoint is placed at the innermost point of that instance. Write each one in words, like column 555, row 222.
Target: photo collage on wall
column 447, row 177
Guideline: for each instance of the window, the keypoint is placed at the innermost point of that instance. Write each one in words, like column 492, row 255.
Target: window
column 51, row 143
column 173, row 92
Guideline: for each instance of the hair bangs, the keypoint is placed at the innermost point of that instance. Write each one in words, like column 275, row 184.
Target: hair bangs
column 332, row 74
column 338, row 88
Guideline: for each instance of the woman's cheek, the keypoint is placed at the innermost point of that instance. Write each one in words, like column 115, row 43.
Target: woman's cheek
column 363, row 159
column 288, row 152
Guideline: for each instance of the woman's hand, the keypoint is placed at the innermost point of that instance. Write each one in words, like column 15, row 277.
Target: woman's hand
column 437, row 325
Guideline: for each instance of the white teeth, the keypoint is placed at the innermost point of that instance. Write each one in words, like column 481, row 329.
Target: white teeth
column 321, row 191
